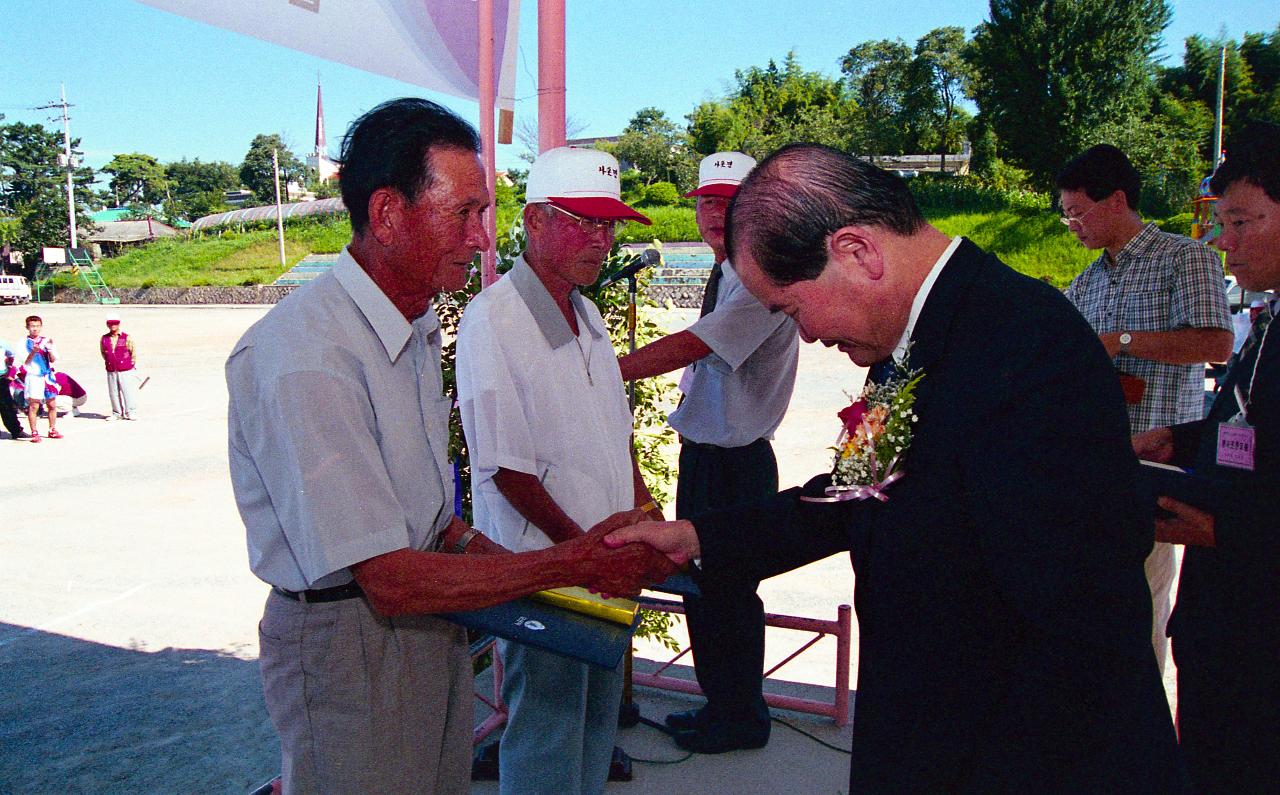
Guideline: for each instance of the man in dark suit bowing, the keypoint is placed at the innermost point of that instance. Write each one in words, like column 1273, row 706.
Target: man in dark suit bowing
column 1002, row 609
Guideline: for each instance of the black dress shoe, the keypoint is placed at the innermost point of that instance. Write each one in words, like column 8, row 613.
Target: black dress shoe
column 688, row 719
column 720, row 737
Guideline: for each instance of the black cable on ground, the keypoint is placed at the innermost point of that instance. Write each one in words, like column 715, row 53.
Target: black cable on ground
column 667, row 730
column 816, row 739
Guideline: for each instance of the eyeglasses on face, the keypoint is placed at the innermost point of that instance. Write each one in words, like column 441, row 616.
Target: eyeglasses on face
column 1068, row 220
column 590, row 225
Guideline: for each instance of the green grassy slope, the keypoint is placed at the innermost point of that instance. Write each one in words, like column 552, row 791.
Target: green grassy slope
column 1031, row 241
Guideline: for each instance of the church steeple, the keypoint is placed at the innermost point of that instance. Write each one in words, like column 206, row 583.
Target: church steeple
column 321, row 148
column 319, row 159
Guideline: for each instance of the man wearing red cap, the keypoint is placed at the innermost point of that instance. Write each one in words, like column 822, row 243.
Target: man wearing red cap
column 120, row 357
column 549, row 435
column 741, row 360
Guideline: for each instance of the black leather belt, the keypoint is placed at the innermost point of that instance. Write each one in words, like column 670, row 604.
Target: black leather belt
column 337, row 593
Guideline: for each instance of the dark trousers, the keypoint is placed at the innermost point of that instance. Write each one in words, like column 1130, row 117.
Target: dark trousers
column 1229, row 710
column 8, row 411
column 726, row 624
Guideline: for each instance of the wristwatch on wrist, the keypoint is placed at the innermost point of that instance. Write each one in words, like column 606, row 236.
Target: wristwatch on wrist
column 1125, row 339
column 460, row 546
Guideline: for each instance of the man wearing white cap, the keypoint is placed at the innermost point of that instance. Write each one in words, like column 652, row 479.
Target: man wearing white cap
column 741, row 361
column 120, row 357
column 549, row 435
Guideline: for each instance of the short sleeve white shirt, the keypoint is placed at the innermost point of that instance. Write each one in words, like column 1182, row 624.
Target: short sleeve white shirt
column 338, row 431
column 537, row 399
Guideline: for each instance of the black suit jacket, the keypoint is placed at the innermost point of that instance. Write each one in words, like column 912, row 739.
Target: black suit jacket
column 1230, row 593
column 1003, row 614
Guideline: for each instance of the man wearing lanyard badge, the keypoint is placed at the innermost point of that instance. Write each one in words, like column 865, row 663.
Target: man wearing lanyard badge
column 1226, row 625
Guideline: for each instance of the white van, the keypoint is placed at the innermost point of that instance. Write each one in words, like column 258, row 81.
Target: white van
column 14, row 290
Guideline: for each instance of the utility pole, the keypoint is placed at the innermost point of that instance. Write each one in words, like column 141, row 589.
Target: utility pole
column 67, row 161
column 275, row 169
column 1217, row 127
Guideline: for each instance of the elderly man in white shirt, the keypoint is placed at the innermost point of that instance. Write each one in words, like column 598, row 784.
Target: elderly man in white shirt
column 549, row 434
column 338, row 444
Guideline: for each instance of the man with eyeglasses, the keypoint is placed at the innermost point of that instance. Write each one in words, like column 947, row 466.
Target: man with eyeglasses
column 549, row 434
column 1226, row 626
column 1157, row 303
column 740, row 361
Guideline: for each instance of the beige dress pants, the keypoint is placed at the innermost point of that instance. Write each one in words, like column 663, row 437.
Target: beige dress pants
column 365, row 704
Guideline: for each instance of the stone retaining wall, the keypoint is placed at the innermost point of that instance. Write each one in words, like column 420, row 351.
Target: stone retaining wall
column 684, row 296
column 261, row 294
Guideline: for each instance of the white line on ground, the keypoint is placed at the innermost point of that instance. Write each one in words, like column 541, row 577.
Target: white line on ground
column 86, row 609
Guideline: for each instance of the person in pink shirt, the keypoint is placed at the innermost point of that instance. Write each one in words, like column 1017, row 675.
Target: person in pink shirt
column 120, row 358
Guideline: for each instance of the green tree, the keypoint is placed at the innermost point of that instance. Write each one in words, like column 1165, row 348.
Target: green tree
column 33, row 186
column 772, row 106
column 1252, row 80
column 879, row 74
column 197, row 188
column 136, row 179
column 1048, row 73
column 657, row 148
column 941, row 76
column 256, row 172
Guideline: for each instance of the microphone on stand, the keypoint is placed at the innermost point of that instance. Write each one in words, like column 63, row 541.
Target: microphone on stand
column 647, row 258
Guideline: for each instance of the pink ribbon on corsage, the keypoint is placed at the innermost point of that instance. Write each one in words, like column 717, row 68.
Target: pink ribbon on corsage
column 876, row 490
column 845, row 493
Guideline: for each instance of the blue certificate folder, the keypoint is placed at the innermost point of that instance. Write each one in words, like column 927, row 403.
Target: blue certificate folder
column 680, row 584
column 554, row 629
column 1205, row 493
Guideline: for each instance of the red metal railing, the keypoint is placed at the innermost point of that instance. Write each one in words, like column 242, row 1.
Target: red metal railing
column 840, row 629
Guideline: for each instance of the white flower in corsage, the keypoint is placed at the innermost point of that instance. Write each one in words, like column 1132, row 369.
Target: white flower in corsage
column 874, row 437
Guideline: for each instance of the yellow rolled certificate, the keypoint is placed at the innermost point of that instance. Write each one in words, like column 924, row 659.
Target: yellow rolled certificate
column 580, row 600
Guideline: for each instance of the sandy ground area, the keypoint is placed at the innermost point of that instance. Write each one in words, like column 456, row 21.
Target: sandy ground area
column 128, row 622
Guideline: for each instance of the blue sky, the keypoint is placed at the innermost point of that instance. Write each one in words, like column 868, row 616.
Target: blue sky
column 142, row 80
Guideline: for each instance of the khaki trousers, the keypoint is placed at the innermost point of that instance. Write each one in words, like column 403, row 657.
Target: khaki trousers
column 366, row 704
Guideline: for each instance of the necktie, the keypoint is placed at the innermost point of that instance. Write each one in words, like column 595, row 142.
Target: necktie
column 880, row 371
column 713, row 290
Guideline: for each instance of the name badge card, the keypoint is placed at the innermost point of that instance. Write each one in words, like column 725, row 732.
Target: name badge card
column 1235, row 445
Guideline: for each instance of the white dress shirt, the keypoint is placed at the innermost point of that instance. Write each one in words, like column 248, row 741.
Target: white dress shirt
column 539, row 400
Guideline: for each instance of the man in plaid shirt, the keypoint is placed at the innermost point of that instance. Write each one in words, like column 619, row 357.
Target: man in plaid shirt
column 1159, row 305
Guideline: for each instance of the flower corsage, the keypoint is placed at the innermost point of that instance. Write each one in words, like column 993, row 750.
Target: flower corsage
column 874, row 436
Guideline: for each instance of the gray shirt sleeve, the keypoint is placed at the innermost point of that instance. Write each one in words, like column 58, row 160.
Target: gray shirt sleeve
column 303, row 442
column 738, row 327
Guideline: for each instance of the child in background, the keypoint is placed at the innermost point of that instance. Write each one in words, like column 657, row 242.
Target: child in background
column 40, row 386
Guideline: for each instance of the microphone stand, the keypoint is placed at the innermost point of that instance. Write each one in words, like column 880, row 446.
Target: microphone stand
column 631, row 334
column 629, row 713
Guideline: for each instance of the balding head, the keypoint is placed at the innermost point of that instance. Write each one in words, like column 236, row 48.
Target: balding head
column 798, row 196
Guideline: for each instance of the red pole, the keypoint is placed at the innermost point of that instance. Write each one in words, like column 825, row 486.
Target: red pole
column 551, row 89
column 489, row 258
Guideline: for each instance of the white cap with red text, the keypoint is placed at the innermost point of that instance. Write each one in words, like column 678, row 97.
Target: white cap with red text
column 583, row 181
column 721, row 173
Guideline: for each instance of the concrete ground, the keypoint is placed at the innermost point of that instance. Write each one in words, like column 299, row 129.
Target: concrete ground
column 128, row 622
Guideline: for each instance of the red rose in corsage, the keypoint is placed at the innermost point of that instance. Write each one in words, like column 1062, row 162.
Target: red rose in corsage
column 874, row 437
column 851, row 415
